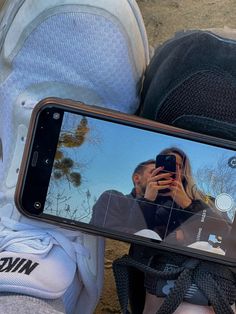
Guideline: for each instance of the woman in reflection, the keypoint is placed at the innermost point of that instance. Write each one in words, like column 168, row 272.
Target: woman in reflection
column 175, row 208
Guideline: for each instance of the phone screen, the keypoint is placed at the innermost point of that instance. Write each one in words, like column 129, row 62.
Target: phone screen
column 81, row 173
column 168, row 164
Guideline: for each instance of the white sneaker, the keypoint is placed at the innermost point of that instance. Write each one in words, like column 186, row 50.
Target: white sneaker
column 94, row 51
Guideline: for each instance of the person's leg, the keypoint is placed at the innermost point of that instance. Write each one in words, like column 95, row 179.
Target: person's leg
column 15, row 303
column 153, row 303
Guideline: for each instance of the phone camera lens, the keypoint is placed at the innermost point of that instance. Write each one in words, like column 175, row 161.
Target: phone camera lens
column 37, row 205
column 56, row 116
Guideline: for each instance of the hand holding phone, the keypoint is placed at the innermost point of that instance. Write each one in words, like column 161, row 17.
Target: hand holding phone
column 158, row 183
column 178, row 193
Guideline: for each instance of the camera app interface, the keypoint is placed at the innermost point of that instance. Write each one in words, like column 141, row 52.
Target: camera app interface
column 143, row 183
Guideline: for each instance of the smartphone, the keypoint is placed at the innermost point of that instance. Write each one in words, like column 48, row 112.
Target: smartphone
column 168, row 162
column 77, row 171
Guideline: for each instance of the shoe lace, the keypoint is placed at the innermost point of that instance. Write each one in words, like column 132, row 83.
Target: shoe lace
column 24, row 238
column 194, row 272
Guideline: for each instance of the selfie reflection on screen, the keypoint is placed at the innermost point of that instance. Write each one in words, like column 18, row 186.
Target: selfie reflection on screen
column 104, row 174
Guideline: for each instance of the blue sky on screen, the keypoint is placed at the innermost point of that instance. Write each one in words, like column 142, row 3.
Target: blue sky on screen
column 111, row 151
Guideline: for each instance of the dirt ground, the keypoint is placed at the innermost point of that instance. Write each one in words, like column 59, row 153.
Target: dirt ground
column 163, row 18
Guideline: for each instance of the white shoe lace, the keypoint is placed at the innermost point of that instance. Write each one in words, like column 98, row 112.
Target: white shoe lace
column 24, row 238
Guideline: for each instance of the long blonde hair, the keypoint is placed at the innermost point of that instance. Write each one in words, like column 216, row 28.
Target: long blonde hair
column 187, row 179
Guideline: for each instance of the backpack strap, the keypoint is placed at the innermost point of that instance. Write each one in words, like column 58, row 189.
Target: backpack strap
column 192, row 278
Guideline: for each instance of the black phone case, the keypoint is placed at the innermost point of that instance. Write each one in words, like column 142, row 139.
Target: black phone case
column 169, row 164
column 166, row 161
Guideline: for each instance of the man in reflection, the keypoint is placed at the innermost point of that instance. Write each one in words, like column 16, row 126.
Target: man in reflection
column 120, row 212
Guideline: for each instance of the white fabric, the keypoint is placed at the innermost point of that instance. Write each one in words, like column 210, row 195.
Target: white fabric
column 95, row 52
column 206, row 246
column 148, row 233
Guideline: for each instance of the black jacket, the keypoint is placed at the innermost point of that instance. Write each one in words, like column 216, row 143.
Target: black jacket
column 116, row 211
